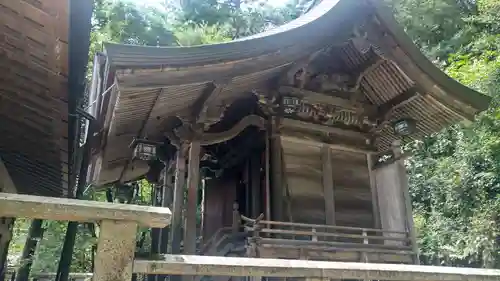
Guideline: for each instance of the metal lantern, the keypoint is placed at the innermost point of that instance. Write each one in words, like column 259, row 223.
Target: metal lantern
column 404, row 127
column 145, row 151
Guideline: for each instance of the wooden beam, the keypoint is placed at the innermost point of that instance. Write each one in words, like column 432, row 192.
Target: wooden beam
column 250, row 120
column 193, row 182
column 328, row 190
column 51, row 208
column 199, row 103
column 315, row 97
column 397, row 101
column 319, row 144
column 296, row 124
column 229, row 266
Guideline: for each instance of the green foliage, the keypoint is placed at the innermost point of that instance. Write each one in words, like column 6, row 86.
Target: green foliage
column 202, row 34
column 455, row 174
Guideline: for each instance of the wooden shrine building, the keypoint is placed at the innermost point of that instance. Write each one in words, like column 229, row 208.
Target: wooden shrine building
column 42, row 81
column 287, row 143
column 297, row 129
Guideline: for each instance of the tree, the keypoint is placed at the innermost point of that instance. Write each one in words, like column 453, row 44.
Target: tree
column 454, row 174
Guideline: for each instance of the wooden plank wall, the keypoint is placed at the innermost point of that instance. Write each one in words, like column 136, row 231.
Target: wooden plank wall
column 353, row 200
column 349, row 194
column 303, row 177
column 33, row 93
column 220, row 194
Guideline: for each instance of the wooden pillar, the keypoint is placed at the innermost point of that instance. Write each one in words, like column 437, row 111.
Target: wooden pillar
column 174, row 245
column 193, row 182
column 166, row 202
column 115, row 251
column 6, row 224
column 255, row 185
column 277, row 193
column 156, row 194
column 267, row 160
column 394, row 201
column 391, row 200
column 326, row 158
column 401, row 170
column 373, row 189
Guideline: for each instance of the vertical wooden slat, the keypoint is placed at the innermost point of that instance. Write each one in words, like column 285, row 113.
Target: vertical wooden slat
column 268, row 174
column 326, row 158
column 192, row 198
column 166, row 202
column 255, row 162
column 276, row 169
column 373, row 189
column 174, row 245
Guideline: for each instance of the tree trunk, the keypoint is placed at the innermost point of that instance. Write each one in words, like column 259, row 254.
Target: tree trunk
column 6, row 225
column 35, row 234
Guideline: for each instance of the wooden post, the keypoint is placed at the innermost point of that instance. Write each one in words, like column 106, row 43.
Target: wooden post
column 192, row 198
column 396, row 149
column 174, row 245
column 236, row 218
column 202, row 211
column 326, row 157
column 252, row 250
column 166, row 202
column 276, row 169
column 115, row 251
column 373, row 189
column 255, row 182
column 314, row 237
column 268, row 174
column 391, row 200
column 6, row 223
column 364, row 256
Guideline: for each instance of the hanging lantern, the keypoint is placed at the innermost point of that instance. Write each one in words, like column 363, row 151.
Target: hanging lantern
column 145, row 149
column 404, row 127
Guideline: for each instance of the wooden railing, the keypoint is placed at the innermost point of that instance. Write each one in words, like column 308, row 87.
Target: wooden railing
column 327, row 238
column 117, row 222
column 116, row 246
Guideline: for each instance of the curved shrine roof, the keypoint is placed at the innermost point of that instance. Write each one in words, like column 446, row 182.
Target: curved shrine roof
column 359, row 37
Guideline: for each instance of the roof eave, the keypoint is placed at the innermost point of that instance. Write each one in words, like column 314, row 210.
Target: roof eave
column 451, row 87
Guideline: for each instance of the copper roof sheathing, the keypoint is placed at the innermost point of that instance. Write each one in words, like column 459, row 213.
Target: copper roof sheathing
column 153, row 83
